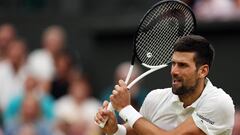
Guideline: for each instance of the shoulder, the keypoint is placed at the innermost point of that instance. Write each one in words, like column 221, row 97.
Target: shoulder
column 154, row 101
column 216, row 110
column 157, row 96
column 158, row 93
column 218, row 99
column 63, row 106
column 215, row 97
column 90, row 107
column 92, row 102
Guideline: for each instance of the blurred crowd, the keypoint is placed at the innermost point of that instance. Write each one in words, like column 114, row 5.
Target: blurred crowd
column 43, row 92
column 205, row 10
column 215, row 10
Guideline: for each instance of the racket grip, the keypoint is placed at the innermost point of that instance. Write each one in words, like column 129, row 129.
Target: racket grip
column 110, row 108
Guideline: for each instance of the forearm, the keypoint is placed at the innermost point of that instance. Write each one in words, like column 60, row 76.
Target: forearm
column 142, row 127
column 130, row 131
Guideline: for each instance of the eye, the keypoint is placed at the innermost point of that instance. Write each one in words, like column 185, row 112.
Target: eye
column 182, row 65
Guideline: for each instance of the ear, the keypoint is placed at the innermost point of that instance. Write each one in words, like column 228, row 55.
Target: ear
column 203, row 71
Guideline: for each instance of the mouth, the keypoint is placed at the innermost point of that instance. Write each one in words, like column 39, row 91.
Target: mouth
column 176, row 81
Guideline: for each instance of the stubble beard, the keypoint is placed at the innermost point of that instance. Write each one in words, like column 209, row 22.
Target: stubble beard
column 183, row 90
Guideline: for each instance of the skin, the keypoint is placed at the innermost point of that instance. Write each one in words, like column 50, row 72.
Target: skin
column 185, row 75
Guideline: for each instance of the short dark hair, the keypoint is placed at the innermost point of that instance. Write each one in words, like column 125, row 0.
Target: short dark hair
column 204, row 51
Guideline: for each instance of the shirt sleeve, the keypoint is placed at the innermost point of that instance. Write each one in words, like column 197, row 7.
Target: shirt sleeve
column 215, row 116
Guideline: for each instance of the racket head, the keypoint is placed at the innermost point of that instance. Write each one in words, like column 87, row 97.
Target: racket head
column 159, row 29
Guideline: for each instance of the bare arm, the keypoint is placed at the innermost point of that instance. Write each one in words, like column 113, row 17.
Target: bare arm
column 121, row 98
column 144, row 127
column 130, row 131
column 188, row 127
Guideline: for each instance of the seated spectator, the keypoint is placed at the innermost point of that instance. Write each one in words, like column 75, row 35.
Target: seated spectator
column 31, row 87
column 13, row 71
column 7, row 35
column 30, row 115
column 75, row 111
column 60, row 83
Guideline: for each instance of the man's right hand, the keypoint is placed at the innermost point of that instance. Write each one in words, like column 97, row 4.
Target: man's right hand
column 101, row 116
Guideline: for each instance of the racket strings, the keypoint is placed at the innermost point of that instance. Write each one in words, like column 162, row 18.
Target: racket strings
column 160, row 30
column 150, row 48
column 164, row 46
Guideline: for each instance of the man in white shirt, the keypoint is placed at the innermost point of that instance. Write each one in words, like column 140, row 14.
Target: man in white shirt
column 13, row 72
column 191, row 106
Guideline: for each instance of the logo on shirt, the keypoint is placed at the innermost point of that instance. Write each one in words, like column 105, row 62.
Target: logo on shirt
column 205, row 119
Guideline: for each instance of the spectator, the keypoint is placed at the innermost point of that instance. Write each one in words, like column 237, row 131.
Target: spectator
column 30, row 88
column 60, row 83
column 12, row 71
column 53, row 40
column 30, row 115
column 74, row 112
column 7, row 34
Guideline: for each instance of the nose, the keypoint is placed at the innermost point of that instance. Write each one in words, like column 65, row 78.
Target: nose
column 174, row 70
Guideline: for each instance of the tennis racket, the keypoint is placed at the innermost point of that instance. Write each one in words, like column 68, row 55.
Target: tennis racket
column 157, row 32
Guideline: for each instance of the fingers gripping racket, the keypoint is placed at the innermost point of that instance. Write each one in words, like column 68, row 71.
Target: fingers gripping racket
column 159, row 29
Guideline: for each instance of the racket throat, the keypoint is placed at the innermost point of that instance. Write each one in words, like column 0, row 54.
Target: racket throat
column 152, row 69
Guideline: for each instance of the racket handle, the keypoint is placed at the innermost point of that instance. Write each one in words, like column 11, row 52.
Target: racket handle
column 110, row 108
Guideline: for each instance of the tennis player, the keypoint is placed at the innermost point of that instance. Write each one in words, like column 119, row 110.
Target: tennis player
column 192, row 106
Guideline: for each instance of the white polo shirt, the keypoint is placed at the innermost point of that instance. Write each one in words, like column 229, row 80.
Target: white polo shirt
column 213, row 112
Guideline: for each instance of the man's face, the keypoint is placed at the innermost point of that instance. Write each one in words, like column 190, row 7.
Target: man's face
column 184, row 73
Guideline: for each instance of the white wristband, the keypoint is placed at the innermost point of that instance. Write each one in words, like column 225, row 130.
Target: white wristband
column 121, row 130
column 130, row 115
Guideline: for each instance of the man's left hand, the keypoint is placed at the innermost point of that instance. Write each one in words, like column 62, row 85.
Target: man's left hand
column 120, row 97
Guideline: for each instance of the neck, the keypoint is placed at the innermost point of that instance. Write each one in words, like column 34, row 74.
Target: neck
column 190, row 98
column 16, row 67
